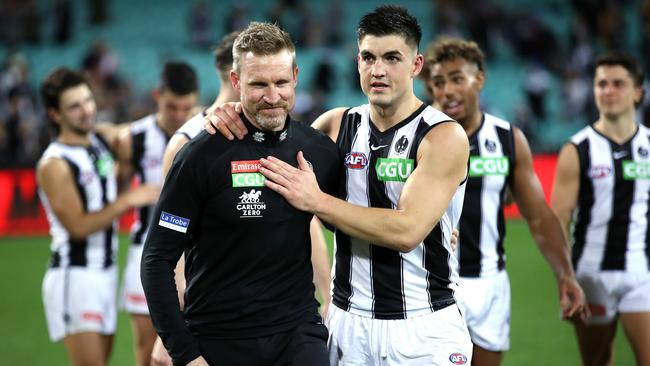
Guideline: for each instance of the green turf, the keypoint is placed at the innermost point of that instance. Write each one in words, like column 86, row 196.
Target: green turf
column 538, row 337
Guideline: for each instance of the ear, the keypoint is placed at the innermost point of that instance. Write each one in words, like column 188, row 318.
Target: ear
column 359, row 62
column 54, row 115
column 418, row 64
column 234, row 80
column 155, row 94
column 295, row 75
column 480, row 79
column 639, row 93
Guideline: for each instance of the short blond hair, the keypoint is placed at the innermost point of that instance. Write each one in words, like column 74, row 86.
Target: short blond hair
column 261, row 39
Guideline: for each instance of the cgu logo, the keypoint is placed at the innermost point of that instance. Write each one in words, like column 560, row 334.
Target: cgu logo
column 458, row 358
column 633, row 170
column 479, row 166
column 394, row 170
column 355, row 160
column 247, row 180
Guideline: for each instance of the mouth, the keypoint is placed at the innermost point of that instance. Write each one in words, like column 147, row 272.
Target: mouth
column 452, row 107
column 378, row 86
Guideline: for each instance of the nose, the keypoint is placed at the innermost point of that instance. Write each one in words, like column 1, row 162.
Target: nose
column 272, row 95
column 378, row 69
column 88, row 108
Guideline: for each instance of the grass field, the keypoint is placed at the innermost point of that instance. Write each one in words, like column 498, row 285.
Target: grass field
column 537, row 336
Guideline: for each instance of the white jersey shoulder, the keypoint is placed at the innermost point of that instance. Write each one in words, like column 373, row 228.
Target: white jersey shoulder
column 193, row 126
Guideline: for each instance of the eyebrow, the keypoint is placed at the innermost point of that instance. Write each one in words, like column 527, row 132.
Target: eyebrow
column 389, row 53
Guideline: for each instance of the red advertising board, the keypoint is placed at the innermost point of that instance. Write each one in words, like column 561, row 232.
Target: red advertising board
column 21, row 212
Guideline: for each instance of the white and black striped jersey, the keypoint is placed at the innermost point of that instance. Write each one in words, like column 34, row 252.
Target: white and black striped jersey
column 94, row 177
column 375, row 281
column 611, row 230
column 148, row 142
column 193, row 126
column 482, row 225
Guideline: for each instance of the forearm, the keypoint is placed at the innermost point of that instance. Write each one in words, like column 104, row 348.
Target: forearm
column 157, row 275
column 89, row 223
column 550, row 238
column 320, row 261
column 393, row 229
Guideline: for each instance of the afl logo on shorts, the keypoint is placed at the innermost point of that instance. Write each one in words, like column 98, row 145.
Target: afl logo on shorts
column 356, row 160
column 458, row 358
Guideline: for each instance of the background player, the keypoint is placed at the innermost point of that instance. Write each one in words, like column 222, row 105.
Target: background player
column 603, row 183
column 79, row 192
column 500, row 158
column 140, row 150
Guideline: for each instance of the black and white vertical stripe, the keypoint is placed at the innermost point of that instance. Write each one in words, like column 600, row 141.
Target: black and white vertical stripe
column 96, row 189
column 482, row 225
column 611, row 230
column 374, row 281
column 148, row 147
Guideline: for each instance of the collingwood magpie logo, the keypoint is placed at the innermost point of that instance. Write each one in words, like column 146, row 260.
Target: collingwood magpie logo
column 249, row 204
column 490, row 145
column 643, row 152
column 401, row 145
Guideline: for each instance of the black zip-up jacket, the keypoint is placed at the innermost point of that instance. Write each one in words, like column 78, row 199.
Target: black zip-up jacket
column 248, row 251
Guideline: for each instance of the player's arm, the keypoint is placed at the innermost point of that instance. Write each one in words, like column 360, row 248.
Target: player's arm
column 182, row 197
column 173, row 146
column 544, row 226
column 124, row 154
column 57, row 182
column 330, row 122
column 441, row 163
column 320, row 261
column 567, row 185
column 110, row 131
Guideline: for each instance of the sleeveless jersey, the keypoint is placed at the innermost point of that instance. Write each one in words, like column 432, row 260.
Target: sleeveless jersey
column 375, row 281
column 611, row 230
column 482, row 225
column 148, row 146
column 94, row 177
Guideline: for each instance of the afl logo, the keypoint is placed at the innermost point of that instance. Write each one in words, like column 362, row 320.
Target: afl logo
column 356, row 160
column 600, row 171
column 401, row 145
column 458, row 358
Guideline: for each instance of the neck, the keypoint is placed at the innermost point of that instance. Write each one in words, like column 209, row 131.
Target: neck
column 72, row 138
column 386, row 117
column 168, row 130
column 226, row 94
column 471, row 124
column 619, row 128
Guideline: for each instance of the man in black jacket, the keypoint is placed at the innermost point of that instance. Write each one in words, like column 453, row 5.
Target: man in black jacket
column 249, row 297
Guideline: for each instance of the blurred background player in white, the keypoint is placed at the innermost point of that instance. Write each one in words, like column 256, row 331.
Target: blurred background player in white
column 140, row 149
column 500, row 158
column 223, row 63
column 78, row 188
column 602, row 184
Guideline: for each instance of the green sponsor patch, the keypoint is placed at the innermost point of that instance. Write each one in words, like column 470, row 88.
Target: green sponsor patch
column 104, row 165
column 633, row 170
column 394, row 169
column 247, row 180
column 479, row 166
